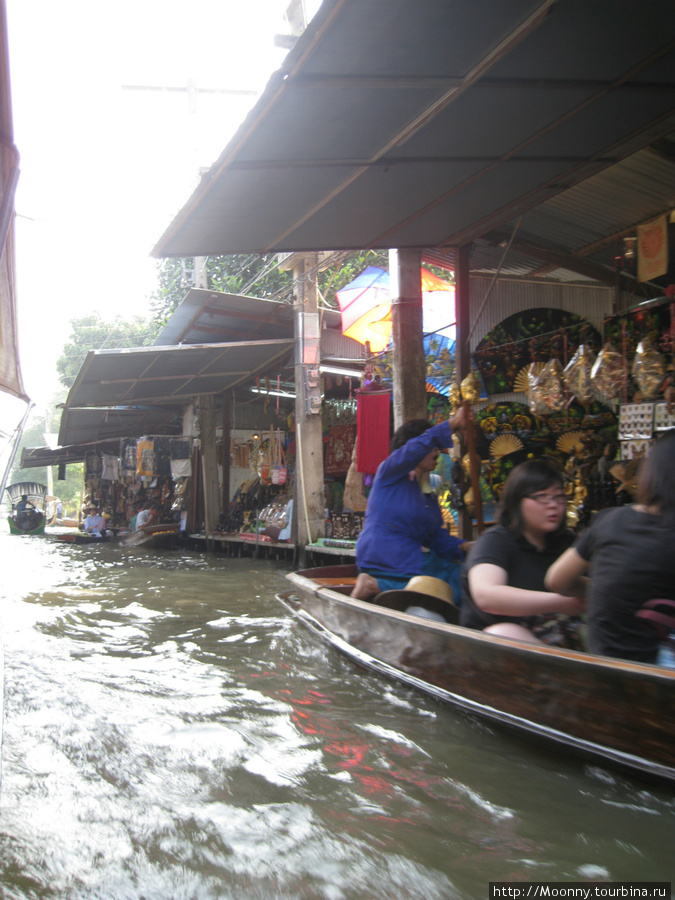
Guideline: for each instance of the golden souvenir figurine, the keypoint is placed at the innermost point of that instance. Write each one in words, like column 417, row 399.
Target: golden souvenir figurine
column 577, row 374
column 648, row 369
column 455, row 397
column 470, row 388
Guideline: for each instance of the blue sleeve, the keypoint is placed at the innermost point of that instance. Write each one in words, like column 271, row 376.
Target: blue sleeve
column 403, row 460
column 445, row 544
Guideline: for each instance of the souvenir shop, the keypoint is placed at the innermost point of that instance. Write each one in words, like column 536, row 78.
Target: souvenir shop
column 147, row 469
column 590, row 403
column 544, row 384
column 261, row 484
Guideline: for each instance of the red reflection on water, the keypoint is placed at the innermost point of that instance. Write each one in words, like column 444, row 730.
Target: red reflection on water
column 386, row 773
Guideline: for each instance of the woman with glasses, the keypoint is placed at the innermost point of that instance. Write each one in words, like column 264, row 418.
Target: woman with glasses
column 503, row 578
column 629, row 554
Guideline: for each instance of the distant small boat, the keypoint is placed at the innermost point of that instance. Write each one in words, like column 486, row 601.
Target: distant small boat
column 32, row 520
column 79, row 537
column 152, row 537
column 66, row 523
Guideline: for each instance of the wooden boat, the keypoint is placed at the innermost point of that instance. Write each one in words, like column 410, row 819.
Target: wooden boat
column 79, row 537
column 66, row 523
column 152, row 537
column 613, row 710
column 28, row 521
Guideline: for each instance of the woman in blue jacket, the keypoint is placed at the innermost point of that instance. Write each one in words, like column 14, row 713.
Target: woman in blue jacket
column 403, row 515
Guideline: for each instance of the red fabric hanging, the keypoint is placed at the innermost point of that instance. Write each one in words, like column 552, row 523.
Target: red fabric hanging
column 372, row 428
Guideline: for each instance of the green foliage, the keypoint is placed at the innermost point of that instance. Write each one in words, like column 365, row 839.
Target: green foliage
column 172, row 288
column 251, row 275
column 93, row 333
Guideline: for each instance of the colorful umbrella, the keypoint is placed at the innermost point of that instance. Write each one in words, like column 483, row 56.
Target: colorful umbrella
column 365, row 306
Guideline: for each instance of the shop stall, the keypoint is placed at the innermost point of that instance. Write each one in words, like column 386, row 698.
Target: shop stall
column 150, row 469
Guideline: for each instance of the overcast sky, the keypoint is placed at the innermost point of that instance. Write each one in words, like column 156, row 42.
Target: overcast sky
column 104, row 168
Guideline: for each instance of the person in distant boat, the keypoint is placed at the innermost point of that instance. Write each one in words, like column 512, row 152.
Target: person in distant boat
column 24, row 505
column 627, row 558
column 403, row 515
column 138, row 508
column 148, row 516
column 26, row 515
column 142, row 516
column 503, row 589
column 94, row 523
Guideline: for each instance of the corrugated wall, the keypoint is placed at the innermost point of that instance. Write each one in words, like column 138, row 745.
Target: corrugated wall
column 509, row 296
column 336, row 346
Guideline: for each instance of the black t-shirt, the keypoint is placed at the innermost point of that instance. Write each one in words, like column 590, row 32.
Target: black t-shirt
column 524, row 564
column 632, row 560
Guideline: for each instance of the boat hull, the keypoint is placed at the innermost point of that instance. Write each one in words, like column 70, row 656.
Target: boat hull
column 38, row 528
column 159, row 537
column 30, row 521
column 620, row 712
column 80, row 538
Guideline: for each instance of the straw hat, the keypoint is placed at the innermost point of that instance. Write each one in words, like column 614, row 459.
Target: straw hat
column 422, row 596
column 434, row 587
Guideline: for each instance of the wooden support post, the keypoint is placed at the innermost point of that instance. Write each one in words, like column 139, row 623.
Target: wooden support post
column 225, row 461
column 195, row 502
column 309, row 502
column 462, row 350
column 410, row 375
column 462, row 311
column 207, row 431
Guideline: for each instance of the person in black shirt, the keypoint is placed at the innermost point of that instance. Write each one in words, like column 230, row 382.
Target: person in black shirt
column 503, row 590
column 628, row 554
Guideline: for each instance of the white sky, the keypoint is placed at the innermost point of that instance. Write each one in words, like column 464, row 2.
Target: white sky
column 103, row 169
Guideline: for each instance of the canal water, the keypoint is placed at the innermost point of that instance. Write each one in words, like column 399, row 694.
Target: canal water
column 171, row 732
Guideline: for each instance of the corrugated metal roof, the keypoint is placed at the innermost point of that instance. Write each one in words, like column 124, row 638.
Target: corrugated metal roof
column 89, row 426
column 431, row 124
column 211, row 316
column 170, row 375
column 589, row 219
